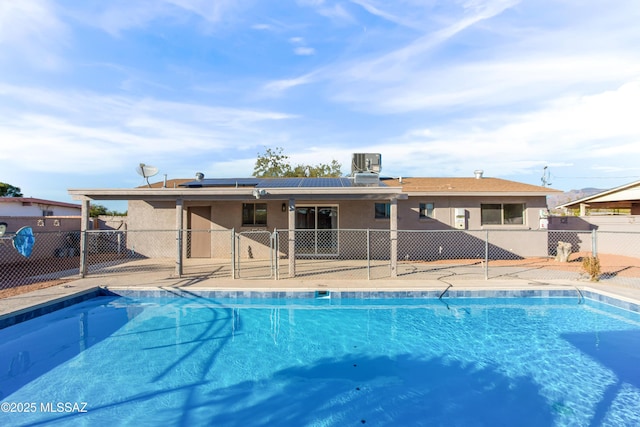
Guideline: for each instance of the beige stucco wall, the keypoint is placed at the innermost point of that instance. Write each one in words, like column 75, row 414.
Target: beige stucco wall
column 158, row 220
column 352, row 215
column 615, row 234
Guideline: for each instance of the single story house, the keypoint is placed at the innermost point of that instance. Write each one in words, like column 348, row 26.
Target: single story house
column 52, row 221
column 321, row 210
column 30, row 206
column 40, row 214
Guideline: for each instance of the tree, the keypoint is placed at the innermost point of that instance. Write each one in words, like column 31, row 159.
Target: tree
column 274, row 163
column 8, row 190
column 97, row 210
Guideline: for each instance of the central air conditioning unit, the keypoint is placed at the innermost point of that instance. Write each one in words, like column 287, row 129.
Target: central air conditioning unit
column 366, row 162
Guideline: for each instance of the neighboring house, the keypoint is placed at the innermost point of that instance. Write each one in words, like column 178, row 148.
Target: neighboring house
column 42, row 215
column 54, row 223
column 602, row 212
column 29, row 206
column 624, row 197
column 318, row 206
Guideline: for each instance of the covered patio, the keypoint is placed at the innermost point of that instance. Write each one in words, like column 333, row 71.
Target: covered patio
column 194, row 217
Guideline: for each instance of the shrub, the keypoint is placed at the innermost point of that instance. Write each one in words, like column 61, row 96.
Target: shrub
column 591, row 266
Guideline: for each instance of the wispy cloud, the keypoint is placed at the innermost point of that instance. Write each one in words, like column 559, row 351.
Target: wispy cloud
column 276, row 87
column 31, row 30
column 304, row 51
column 482, row 84
column 399, row 63
column 378, row 10
column 116, row 128
column 300, row 47
column 577, row 128
column 120, row 15
column 403, row 65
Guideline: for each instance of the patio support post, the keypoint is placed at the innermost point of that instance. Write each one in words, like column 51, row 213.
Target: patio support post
column 292, row 238
column 84, row 225
column 393, row 231
column 179, row 226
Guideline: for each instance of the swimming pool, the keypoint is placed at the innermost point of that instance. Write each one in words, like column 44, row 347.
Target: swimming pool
column 324, row 362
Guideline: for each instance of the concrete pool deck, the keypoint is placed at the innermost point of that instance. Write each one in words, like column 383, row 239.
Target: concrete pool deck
column 39, row 302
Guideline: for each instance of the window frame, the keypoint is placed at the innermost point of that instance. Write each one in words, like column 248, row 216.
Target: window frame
column 486, row 208
column 424, row 212
column 254, row 214
column 387, row 210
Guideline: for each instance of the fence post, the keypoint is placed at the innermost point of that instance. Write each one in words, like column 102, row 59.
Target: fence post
column 291, row 237
column 274, row 253
column 486, row 255
column 368, row 254
column 233, row 253
column 594, row 243
column 84, row 224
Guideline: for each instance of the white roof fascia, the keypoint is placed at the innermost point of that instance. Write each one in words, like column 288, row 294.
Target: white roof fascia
column 199, row 193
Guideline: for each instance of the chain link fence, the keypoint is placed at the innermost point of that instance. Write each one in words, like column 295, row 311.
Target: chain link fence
column 331, row 254
column 55, row 256
column 325, row 254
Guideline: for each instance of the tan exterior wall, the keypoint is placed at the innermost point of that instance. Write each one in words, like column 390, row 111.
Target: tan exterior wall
column 42, row 224
column 615, row 234
column 151, row 216
column 622, row 223
column 352, row 215
column 160, row 216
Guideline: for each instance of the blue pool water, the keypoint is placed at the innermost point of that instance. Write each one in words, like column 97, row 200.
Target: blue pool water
column 323, row 362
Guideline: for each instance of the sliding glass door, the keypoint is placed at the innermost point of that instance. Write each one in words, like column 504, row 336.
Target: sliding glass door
column 317, row 230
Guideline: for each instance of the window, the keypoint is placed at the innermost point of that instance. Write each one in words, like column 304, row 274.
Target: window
column 426, row 210
column 47, row 213
column 501, row 214
column 513, row 213
column 383, row 210
column 254, row 214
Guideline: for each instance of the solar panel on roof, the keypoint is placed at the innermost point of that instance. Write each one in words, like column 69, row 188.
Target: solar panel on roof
column 291, row 182
column 279, row 182
column 223, row 182
column 326, row 182
column 304, row 182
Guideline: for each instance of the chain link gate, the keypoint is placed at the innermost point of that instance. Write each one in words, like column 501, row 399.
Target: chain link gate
column 256, row 254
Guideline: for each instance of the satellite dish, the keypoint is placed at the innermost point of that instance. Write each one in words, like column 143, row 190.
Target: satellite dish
column 146, row 171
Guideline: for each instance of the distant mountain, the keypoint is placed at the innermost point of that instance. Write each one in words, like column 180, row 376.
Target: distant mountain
column 570, row 196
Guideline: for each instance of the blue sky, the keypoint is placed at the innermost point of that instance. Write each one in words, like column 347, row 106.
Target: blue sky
column 89, row 89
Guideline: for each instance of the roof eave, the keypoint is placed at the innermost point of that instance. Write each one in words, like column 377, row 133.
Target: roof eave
column 479, row 193
column 211, row 193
